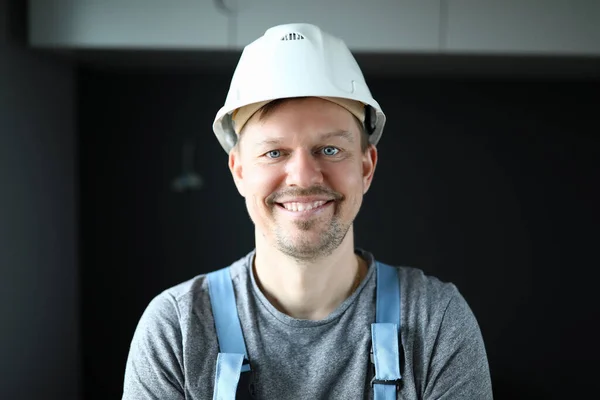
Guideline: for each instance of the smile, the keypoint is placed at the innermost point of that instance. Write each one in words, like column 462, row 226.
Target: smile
column 295, row 206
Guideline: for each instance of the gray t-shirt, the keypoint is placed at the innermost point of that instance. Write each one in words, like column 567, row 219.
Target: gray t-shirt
column 174, row 349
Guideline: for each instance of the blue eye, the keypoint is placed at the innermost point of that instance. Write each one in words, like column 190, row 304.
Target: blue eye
column 330, row 151
column 274, row 154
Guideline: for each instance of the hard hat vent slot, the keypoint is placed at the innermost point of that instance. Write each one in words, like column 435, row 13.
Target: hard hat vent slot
column 292, row 36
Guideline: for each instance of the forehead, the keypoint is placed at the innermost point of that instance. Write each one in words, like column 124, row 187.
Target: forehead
column 306, row 117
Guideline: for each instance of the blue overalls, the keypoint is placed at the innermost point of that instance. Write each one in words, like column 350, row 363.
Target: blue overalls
column 233, row 362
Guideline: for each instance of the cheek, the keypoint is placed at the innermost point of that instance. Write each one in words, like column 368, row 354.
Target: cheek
column 351, row 185
column 348, row 180
column 259, row 184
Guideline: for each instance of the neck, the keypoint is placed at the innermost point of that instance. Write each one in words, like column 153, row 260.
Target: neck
column 308, row 290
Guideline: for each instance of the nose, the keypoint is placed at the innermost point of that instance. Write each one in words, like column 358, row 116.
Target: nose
column 303, row 170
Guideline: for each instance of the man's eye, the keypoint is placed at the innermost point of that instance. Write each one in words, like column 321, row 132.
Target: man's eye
column 330, row 151
column 274, row 154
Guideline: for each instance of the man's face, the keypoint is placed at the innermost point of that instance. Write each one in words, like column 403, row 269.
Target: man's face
column 303, row 175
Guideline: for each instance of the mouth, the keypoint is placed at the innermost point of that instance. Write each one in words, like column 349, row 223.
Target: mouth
column 304, row 208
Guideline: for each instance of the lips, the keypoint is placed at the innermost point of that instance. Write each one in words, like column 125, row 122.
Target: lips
column 302, row 206
column 304, row 201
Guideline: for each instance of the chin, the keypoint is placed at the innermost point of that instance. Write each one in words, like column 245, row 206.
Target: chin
column 304, row 252
column 311, row 244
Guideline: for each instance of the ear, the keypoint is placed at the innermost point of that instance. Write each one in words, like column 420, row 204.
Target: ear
column 369, row 162
column 235, row 166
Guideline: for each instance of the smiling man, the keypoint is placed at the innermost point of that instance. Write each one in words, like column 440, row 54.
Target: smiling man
column 306, row 314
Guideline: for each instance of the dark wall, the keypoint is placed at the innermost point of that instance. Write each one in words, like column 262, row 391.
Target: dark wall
column 39, row 289
column 488, row 184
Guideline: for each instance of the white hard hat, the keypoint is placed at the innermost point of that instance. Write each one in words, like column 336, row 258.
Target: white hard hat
column 297, row 60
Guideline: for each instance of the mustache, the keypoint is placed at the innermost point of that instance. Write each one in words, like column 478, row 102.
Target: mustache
column 300, row 192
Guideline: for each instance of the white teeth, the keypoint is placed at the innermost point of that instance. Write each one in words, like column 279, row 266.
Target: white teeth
column 295, row 206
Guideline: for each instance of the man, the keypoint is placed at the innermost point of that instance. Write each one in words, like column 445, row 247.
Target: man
column 305, row 315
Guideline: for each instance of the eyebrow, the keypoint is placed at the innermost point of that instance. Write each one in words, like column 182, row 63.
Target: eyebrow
column 326, row 136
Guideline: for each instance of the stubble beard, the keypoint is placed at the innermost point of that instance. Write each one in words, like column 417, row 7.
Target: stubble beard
column 303, row 247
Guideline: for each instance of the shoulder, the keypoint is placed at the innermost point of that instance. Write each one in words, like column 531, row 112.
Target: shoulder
column 438, row 316
column 163, row 315
column 425, row 290
column 430, row 303
column 442, row 339
column 191, row 296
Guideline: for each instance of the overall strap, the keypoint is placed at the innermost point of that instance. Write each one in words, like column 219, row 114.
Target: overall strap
column 385, row 334
column 232, row 348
